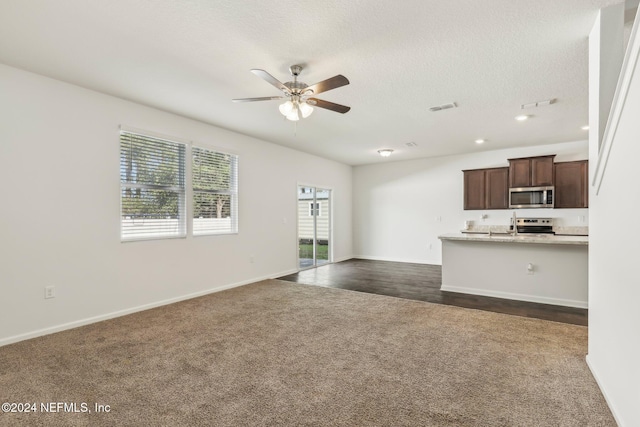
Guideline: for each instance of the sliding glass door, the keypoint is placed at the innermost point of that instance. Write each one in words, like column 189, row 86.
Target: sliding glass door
column 314, row 226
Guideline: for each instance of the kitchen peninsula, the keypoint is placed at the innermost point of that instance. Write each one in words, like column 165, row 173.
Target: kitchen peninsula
column 546, row 269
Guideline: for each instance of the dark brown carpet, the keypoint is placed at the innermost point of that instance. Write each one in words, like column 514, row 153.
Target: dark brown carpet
column 277, row 353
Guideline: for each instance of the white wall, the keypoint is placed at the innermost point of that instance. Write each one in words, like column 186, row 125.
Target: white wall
column 59, row 216
column 614, row 282
column 606, row 47
column 400, row 208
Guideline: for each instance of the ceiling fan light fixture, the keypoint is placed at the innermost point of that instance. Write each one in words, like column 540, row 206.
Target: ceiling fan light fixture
column 294, row 115
column 286, row 108
column 296, row 106
column 305, row 109
column 385, row 152
column 295, row 110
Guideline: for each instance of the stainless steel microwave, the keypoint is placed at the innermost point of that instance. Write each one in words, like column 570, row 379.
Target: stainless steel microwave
column 531, row 197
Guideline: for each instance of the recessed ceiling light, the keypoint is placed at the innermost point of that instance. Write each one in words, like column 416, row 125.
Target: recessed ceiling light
column 585, row 127
column 522, row 117
column 480, row 141
column 385, row 152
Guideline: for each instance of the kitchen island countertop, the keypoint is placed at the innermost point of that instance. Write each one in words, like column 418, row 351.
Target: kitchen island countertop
column 548, row 239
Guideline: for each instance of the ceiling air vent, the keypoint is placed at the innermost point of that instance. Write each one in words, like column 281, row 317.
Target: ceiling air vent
column 538, row 104
column 411, row 144
column 443, row 107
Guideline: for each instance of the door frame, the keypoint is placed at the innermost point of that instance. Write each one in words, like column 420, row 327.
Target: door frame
column 330, row 224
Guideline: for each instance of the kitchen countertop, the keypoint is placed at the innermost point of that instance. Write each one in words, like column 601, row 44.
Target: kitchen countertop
column 548, row 239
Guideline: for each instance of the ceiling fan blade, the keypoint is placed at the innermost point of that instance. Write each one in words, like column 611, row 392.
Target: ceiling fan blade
column 264, row 98
column 325, row 85
column 271, row 80
column 328, row 105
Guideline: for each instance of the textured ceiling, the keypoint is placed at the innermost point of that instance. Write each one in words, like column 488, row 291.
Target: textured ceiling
column 191, row 57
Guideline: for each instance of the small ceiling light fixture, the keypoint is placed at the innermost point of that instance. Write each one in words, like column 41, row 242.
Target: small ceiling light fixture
column 585, row 127
column 480, row 141
column 522, row 117
column 385, row 152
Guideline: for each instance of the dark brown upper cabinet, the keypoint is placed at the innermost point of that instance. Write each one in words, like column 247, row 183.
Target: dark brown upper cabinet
column 572, row 184
column 531, row 171
column 486, row 188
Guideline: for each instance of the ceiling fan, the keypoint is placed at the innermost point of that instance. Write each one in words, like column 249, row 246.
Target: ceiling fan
column 300, row 97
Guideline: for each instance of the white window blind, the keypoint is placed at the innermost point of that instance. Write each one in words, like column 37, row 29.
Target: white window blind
column 152, row 182
column 215, row 192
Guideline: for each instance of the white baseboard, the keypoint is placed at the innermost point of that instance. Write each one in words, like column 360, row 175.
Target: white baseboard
column 344, row 258
column 518, row 297
column 119, row 313
column 283, row 273
column 602, row 390
column 405, row 260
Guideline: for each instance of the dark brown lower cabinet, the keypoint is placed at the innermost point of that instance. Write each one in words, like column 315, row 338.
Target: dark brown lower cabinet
column 486, row 189
column 572, row 184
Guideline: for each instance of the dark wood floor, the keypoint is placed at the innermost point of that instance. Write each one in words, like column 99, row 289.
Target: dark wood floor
column 422, row 282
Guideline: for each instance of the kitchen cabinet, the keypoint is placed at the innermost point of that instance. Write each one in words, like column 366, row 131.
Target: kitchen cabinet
column 572, row 184
column 497, row 191
column 486, row 189
column 474, row 189
column 531, row 171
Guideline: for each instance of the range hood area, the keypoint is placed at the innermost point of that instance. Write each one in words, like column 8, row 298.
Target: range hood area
column 531, row 197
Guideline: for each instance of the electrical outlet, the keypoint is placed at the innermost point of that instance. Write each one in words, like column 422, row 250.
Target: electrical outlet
column 252, row 259
column 49, row 292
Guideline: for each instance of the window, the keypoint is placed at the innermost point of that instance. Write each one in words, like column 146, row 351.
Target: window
column 215, row 192
column 153, row 173
column 314, row 209
column 152, row 185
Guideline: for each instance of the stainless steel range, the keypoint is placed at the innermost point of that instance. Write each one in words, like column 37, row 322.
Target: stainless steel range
column 533, row 225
